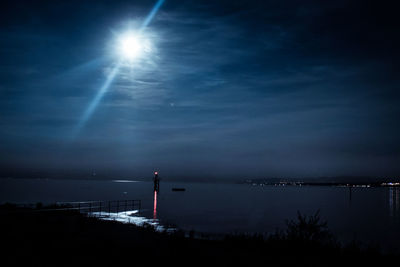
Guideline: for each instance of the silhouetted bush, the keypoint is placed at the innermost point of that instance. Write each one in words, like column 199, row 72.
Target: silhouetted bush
column 310, row 229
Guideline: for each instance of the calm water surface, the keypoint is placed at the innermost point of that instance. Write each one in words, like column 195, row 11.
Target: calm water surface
column 367, row 214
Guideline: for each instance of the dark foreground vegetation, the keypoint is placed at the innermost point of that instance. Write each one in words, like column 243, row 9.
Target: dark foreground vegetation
column 33, row 237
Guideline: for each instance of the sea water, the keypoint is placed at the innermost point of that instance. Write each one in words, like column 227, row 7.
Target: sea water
column 369, row 215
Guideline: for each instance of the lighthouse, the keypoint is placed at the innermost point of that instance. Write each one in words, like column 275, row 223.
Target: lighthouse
column 156, row 182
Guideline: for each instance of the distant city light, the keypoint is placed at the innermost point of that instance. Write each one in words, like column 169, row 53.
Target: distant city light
column 391, row 184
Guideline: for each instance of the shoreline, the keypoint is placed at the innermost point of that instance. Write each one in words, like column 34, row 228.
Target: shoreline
column 67, row 238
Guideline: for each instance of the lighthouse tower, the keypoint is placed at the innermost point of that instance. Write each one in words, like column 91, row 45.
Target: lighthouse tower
column 156, row 182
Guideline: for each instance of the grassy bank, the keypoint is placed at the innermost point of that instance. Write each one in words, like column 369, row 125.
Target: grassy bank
column 65, row 238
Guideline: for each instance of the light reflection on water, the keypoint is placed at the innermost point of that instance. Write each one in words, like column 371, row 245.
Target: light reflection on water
column 155, row 205
column 394, row 202
column 131, row 217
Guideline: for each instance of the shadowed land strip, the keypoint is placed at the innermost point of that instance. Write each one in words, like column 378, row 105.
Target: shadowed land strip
column 68, row 238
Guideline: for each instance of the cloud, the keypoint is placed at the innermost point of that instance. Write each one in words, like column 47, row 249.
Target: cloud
column 268, row 87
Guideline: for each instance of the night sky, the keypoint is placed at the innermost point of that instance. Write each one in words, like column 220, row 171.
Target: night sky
column 227, row 90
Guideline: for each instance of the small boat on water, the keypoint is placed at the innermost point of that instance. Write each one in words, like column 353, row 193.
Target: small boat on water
column 178, row 189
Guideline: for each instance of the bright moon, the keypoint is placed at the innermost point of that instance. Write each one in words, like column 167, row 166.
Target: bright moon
column 132, row 46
